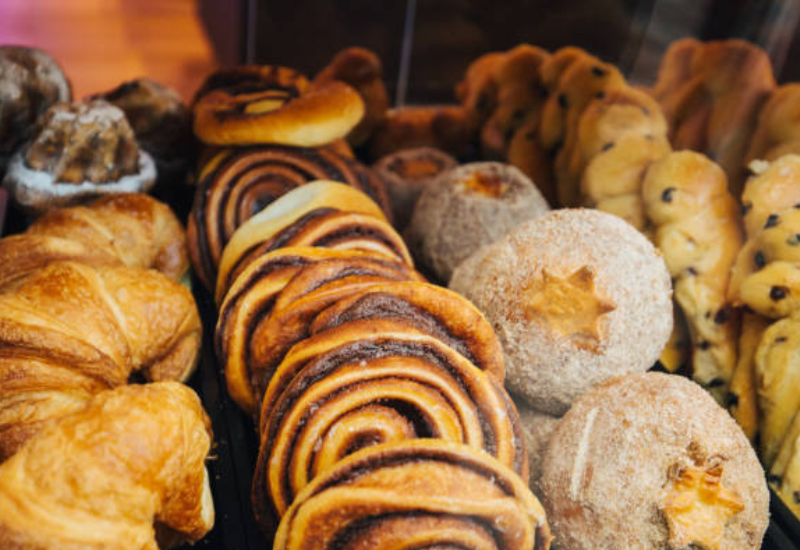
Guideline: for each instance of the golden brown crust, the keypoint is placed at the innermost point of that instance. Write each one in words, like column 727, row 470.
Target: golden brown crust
column 252, row 105
column 696, row 227
column 361, row 69
column 91, row 327
column 776, row 133
column 104, row 476
column 468, row 500
column 449, row 128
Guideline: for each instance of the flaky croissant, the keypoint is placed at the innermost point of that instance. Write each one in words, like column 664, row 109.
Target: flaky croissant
column 69, row 331
column 125, row 472
column 134, row 230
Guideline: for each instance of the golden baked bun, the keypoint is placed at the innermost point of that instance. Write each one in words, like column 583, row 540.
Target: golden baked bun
column 621, row 471
column 420, row 493
column 361, row 69
column 593, row 301
column 711, row 94
column 407, row 173
column 468, row 207
column 270, row 104
column 520, row 98
column 450, row 128
column 696, row 226
column 127, row 471
column 776, row 134
column 78, row 152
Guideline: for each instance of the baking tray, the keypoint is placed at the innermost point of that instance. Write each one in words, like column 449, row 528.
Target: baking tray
column 235, row 447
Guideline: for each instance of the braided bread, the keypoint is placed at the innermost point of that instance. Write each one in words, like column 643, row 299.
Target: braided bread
column 711, row 95
column 696, row 227
column 776, row 134
column 68, row 331
column 126, row 471
column 375, row 498
column 235, row 185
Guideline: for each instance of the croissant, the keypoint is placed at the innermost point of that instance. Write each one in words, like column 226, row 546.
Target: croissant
column 69, row 331
column 125, row 472
column 416, row 494
column 130, row 229
column 696, row 227
column 234, row 185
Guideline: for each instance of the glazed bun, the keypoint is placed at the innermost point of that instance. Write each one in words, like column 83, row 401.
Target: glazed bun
column 466, row 208
column 576, row 297
column 651, row 461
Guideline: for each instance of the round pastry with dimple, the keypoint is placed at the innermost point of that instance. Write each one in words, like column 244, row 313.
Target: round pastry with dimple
column 576, row 297
column 406, row 173
column 651, row 461
column 466, row 208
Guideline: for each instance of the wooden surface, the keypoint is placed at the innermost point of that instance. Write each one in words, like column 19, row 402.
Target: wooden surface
column 101, row 43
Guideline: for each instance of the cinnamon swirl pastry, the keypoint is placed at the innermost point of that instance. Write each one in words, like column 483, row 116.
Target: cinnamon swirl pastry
column 272, row 283
column 270, row 104
column 236, row 184
column 323, row 213
column 416, row 494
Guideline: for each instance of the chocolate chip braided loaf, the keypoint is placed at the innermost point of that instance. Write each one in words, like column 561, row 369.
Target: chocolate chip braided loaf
column 348, row 354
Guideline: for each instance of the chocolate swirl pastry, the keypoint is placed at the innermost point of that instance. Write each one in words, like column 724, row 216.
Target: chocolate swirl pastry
column 324, row 214
column 416, row 494
column 78, row 151
column 237, row 184
column 271, row 104
column 266, row 290
column 31, row 82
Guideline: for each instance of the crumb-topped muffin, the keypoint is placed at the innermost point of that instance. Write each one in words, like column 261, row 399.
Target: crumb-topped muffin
column 78, row 151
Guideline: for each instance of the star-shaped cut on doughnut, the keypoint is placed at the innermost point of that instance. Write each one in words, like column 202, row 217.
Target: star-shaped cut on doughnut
column 697, row 507
column 571, row 305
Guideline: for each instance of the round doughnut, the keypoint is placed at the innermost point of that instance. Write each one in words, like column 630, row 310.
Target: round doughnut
column 406, row 173
column 466, row 208
column 276, row 106
column 576, row 297
column 651, row 461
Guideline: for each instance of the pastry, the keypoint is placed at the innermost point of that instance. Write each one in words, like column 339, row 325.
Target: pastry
column 651, row 461
column 77, row 152
column 784, row 474
column 246, row 311
column 696, row 226
column 31, row 82
column 537, row 427
column 711, row 95
column 526, row 153
column 742, row 397
column 520, row 98
column 275, row 105
column 419, row 494
column 361, row 69
column 69, row 330
column 236, row 184
column 322, row 213
column 466, row 208
column 450, row 128
column 126, row 471
column 406, row 173
column 477, row 91
column 159, row 119
column 128, row 229
column 776, row 132
column 594, row 301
